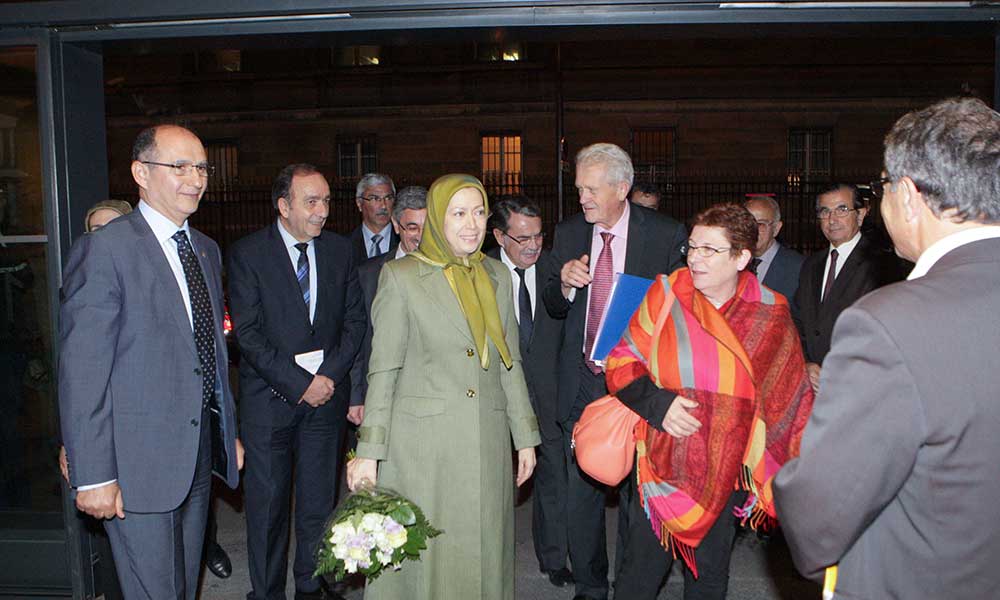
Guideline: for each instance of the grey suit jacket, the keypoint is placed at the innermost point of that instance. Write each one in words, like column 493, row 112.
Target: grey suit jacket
column 783, row 274
column 130, row 394
column 899, row 476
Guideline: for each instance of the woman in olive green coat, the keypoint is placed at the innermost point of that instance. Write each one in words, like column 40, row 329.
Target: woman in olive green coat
column 446, row 394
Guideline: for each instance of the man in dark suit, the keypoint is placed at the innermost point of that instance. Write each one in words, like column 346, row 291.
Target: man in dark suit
column 610, row 235
column 834, row 278
column 897, row 479
column 146, row 409
column 299, row 321
column 408, row 215
column 374, row 195
column 777, row 267
column 516, row 223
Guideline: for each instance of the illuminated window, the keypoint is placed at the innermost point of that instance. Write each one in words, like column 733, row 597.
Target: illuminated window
column 809, row 155
column 356, row 156
column 358, row 56
column 653, row 154
column 500, row 52
column 501, row 160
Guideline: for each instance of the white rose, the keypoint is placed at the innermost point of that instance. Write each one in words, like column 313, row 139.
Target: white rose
column 371, row 522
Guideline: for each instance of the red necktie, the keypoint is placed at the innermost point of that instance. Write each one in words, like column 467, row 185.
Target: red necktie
column 830, row 275
column 600, row 289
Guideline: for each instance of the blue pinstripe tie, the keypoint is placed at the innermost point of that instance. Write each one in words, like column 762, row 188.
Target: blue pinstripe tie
column 302, row 272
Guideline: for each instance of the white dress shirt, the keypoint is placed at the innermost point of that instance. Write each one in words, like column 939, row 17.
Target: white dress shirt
column 943, row 246
column 529, row 275
column 293, row 255
column 843, row 251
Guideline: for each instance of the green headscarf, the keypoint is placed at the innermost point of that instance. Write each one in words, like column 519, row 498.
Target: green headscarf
column 468, row 278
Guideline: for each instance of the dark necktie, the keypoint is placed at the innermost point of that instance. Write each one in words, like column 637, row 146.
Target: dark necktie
column 830, row 275
column 525, row 325
column 302, row 272
column 201, row 313
column 376, row 248
column 600, row 289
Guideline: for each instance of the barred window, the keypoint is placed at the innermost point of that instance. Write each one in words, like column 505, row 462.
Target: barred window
column 653, row 152
column 809, row 155
column 501, row 160
column 224, row 156
column 356, row 156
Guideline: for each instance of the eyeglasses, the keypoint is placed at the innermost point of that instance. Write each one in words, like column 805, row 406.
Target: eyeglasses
column 524, row 239
column 878, row 186
column 387, row 198
column 840, row 212
column 183, row 169
column 765, row 223
column 703, row 251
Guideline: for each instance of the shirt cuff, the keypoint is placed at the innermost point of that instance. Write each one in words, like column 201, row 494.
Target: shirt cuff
column 94, row 486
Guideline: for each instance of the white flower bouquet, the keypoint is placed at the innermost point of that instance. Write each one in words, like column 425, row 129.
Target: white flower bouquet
column 372, row 529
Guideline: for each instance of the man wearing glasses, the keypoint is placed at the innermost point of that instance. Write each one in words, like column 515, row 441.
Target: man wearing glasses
column 516, row 224
column 834, row 278
column 147, row 413
column 778, row 267
column 375, row 195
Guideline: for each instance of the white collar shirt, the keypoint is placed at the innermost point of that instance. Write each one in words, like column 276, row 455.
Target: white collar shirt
column 293, row 255
column 530, row 282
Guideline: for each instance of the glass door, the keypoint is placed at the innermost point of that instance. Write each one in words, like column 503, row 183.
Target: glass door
column 33, row 537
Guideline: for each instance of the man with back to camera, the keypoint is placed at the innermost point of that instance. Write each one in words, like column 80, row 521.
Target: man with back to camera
column 146, row 410
column 897, row 479
column 610, row 235
column 516, row 224
column 778, row 267
column 374, row 196
column 409, row 212
column 299, row 321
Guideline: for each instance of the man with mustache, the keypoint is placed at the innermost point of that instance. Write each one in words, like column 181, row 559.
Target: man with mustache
column 375, row 195
column 408, row 215
column 299, row 321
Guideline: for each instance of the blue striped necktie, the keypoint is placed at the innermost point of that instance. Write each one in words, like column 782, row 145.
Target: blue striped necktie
column 302, row 272
column 376, row 245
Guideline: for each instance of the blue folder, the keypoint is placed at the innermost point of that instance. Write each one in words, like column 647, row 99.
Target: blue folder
column 626, row 296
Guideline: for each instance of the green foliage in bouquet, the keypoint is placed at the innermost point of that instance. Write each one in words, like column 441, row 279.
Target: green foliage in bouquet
column 371, row 530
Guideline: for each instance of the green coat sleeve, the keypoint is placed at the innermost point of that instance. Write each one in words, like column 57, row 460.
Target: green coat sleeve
column 389, row 340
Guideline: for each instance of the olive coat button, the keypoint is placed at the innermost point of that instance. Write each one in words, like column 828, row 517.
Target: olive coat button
column 470, row 393
column 470, row 352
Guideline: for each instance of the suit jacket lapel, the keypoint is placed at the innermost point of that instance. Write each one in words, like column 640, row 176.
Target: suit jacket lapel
column 849, row 269
column 172, row 300
column 208, row 271
column 635, row 246
column 441, row 294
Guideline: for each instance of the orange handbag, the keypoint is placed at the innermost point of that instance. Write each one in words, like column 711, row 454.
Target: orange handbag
column 604, row 440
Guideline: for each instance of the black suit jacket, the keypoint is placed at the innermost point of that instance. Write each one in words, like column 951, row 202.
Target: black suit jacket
column 359, row 246
column 540, row 357
column 783, row 274
column 867, row 268
column 368, row 274
column 272, row 323
column 654, row 243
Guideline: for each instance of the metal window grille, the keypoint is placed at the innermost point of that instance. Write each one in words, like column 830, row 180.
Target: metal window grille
column 501, row 160
column 653, row 154
column 225, row 157
column 809, row 155
column 356, row 156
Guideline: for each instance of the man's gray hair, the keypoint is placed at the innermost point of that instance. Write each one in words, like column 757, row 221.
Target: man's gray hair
column 951, row 151
column 771, row 202
column 373, row 179
column 616, row 161
column 413, row 197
